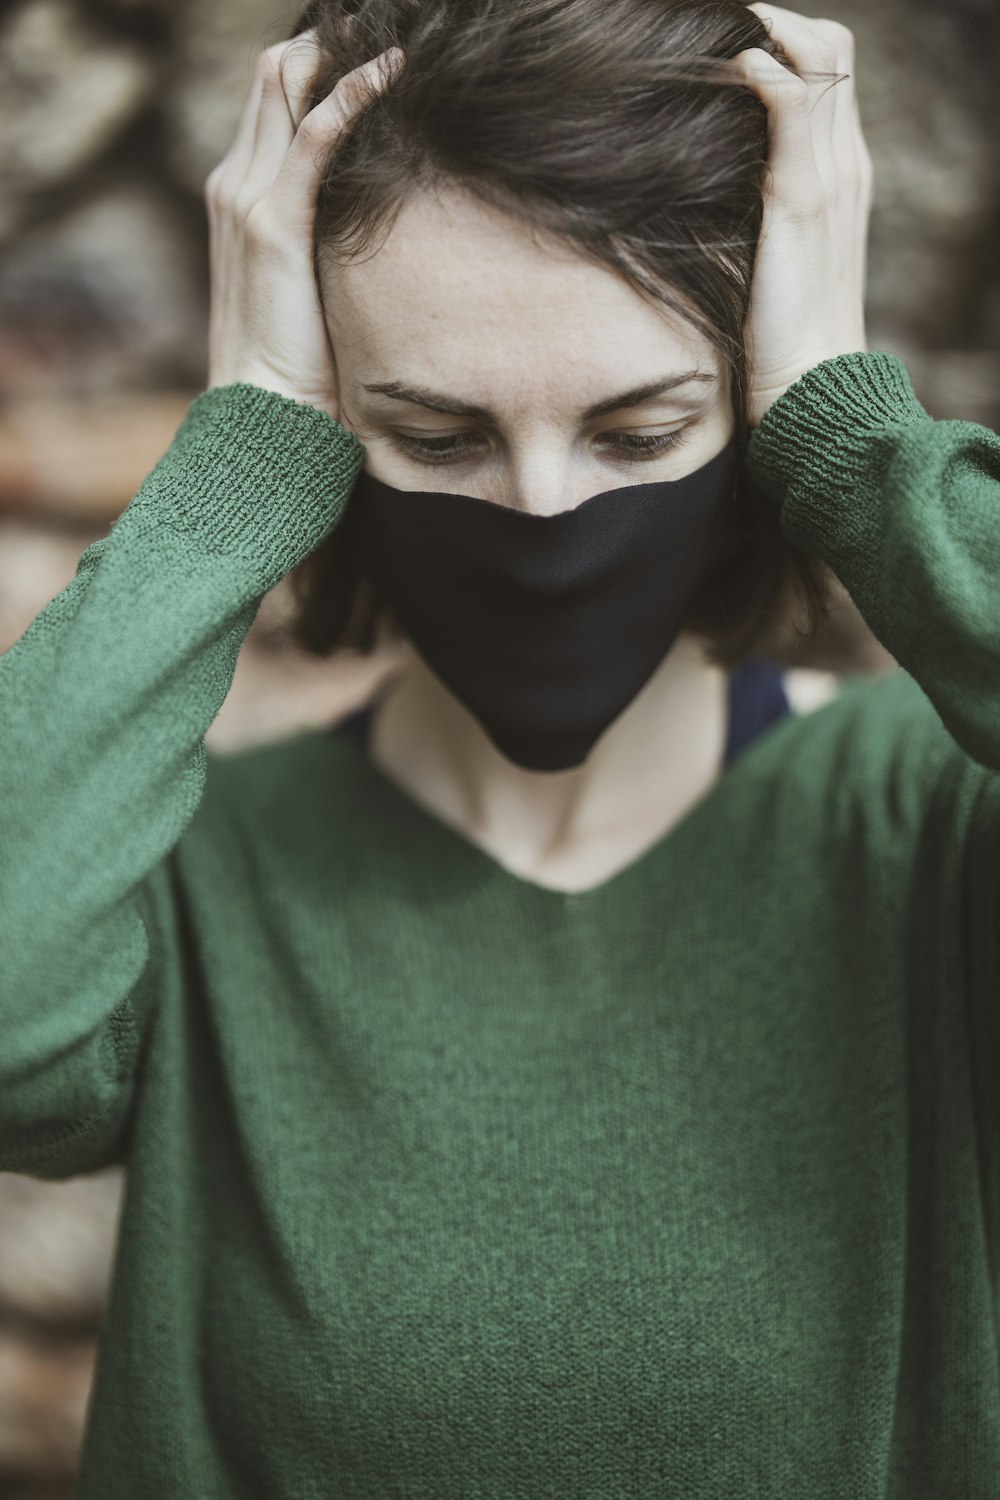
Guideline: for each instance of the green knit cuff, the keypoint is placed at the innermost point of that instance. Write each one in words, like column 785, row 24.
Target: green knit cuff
column 277, row 426
column 814, row 434
column 251, row 471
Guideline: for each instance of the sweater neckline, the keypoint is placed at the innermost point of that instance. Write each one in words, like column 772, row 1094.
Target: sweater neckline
column 738, row 753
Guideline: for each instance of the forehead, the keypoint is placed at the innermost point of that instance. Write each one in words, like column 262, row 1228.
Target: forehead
column 459, row 290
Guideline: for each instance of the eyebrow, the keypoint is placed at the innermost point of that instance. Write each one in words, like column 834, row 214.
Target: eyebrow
column 434, row 401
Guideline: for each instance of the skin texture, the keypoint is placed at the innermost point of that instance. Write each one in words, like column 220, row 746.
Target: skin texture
column 466, row 302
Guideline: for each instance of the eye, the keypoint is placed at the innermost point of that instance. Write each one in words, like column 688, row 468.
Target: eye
column 634, row 446
column 630, row 446
column 436, row 450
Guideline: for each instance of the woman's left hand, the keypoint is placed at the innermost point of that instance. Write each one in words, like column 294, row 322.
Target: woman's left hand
column 808, row 293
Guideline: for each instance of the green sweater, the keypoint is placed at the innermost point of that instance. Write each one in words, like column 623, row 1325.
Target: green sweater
column 442, row 1184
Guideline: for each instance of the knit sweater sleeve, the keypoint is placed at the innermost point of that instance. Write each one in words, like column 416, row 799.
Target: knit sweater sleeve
column 104, row 704
column 906, row 511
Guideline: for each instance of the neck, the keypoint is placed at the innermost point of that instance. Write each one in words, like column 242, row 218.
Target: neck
column 569, row 828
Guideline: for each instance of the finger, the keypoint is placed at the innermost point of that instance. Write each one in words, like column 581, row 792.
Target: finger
column 852, row 126
column 288, row 71
column 237, row 159
column 298, row 68
column 835, row 117
column 806, row 41
column 787, row 99
column 261, row 138
column 276, row 122
column 843, row 162
column 824, row 51
column 323, row 124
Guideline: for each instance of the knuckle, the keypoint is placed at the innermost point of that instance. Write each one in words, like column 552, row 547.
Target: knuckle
column 805, row 208
column 307, row 135
column 314, row 133
column 258, row 227
column 244, row 206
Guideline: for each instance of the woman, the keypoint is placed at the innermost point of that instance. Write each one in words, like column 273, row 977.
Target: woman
column 576, row 1117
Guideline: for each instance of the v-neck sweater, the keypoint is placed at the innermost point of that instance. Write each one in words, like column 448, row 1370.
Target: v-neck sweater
column 443, row 1184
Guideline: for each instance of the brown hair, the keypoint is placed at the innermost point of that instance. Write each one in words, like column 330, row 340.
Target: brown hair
column 605, row 123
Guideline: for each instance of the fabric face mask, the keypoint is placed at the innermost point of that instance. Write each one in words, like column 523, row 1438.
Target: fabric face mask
column 545, row 627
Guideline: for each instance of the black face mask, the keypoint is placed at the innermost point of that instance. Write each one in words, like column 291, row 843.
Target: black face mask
column 545, row 627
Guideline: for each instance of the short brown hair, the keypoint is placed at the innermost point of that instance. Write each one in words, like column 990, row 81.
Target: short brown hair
column 606, row 123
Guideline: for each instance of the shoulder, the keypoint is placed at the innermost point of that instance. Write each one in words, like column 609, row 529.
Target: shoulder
column 311, row 818
column 279, row 773
column 872, row 754
column 888, row 711
column 285, row 795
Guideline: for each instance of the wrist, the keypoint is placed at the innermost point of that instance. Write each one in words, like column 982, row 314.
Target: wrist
column 764, row 395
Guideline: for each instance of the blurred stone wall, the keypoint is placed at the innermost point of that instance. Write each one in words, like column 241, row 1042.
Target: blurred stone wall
column 112, row 114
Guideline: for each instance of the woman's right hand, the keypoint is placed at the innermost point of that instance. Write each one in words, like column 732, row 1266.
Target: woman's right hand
column 266, row 323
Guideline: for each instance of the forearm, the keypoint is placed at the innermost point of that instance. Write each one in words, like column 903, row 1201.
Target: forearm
column 906, row 511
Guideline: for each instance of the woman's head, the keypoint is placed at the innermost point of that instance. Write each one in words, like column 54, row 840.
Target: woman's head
column 558, row 201
column 464, row 306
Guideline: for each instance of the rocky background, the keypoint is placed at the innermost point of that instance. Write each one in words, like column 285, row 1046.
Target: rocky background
column 112, row 114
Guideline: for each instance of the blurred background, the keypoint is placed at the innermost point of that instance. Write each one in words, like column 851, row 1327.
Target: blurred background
column 112, row 114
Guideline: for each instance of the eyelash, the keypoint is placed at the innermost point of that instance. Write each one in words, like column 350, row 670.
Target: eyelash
column 632, row 447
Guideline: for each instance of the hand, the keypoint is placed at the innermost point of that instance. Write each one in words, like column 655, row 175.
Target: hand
column 266, row 324
column 808, row 293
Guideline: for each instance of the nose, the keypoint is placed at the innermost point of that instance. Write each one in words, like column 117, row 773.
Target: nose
column 541, row 483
